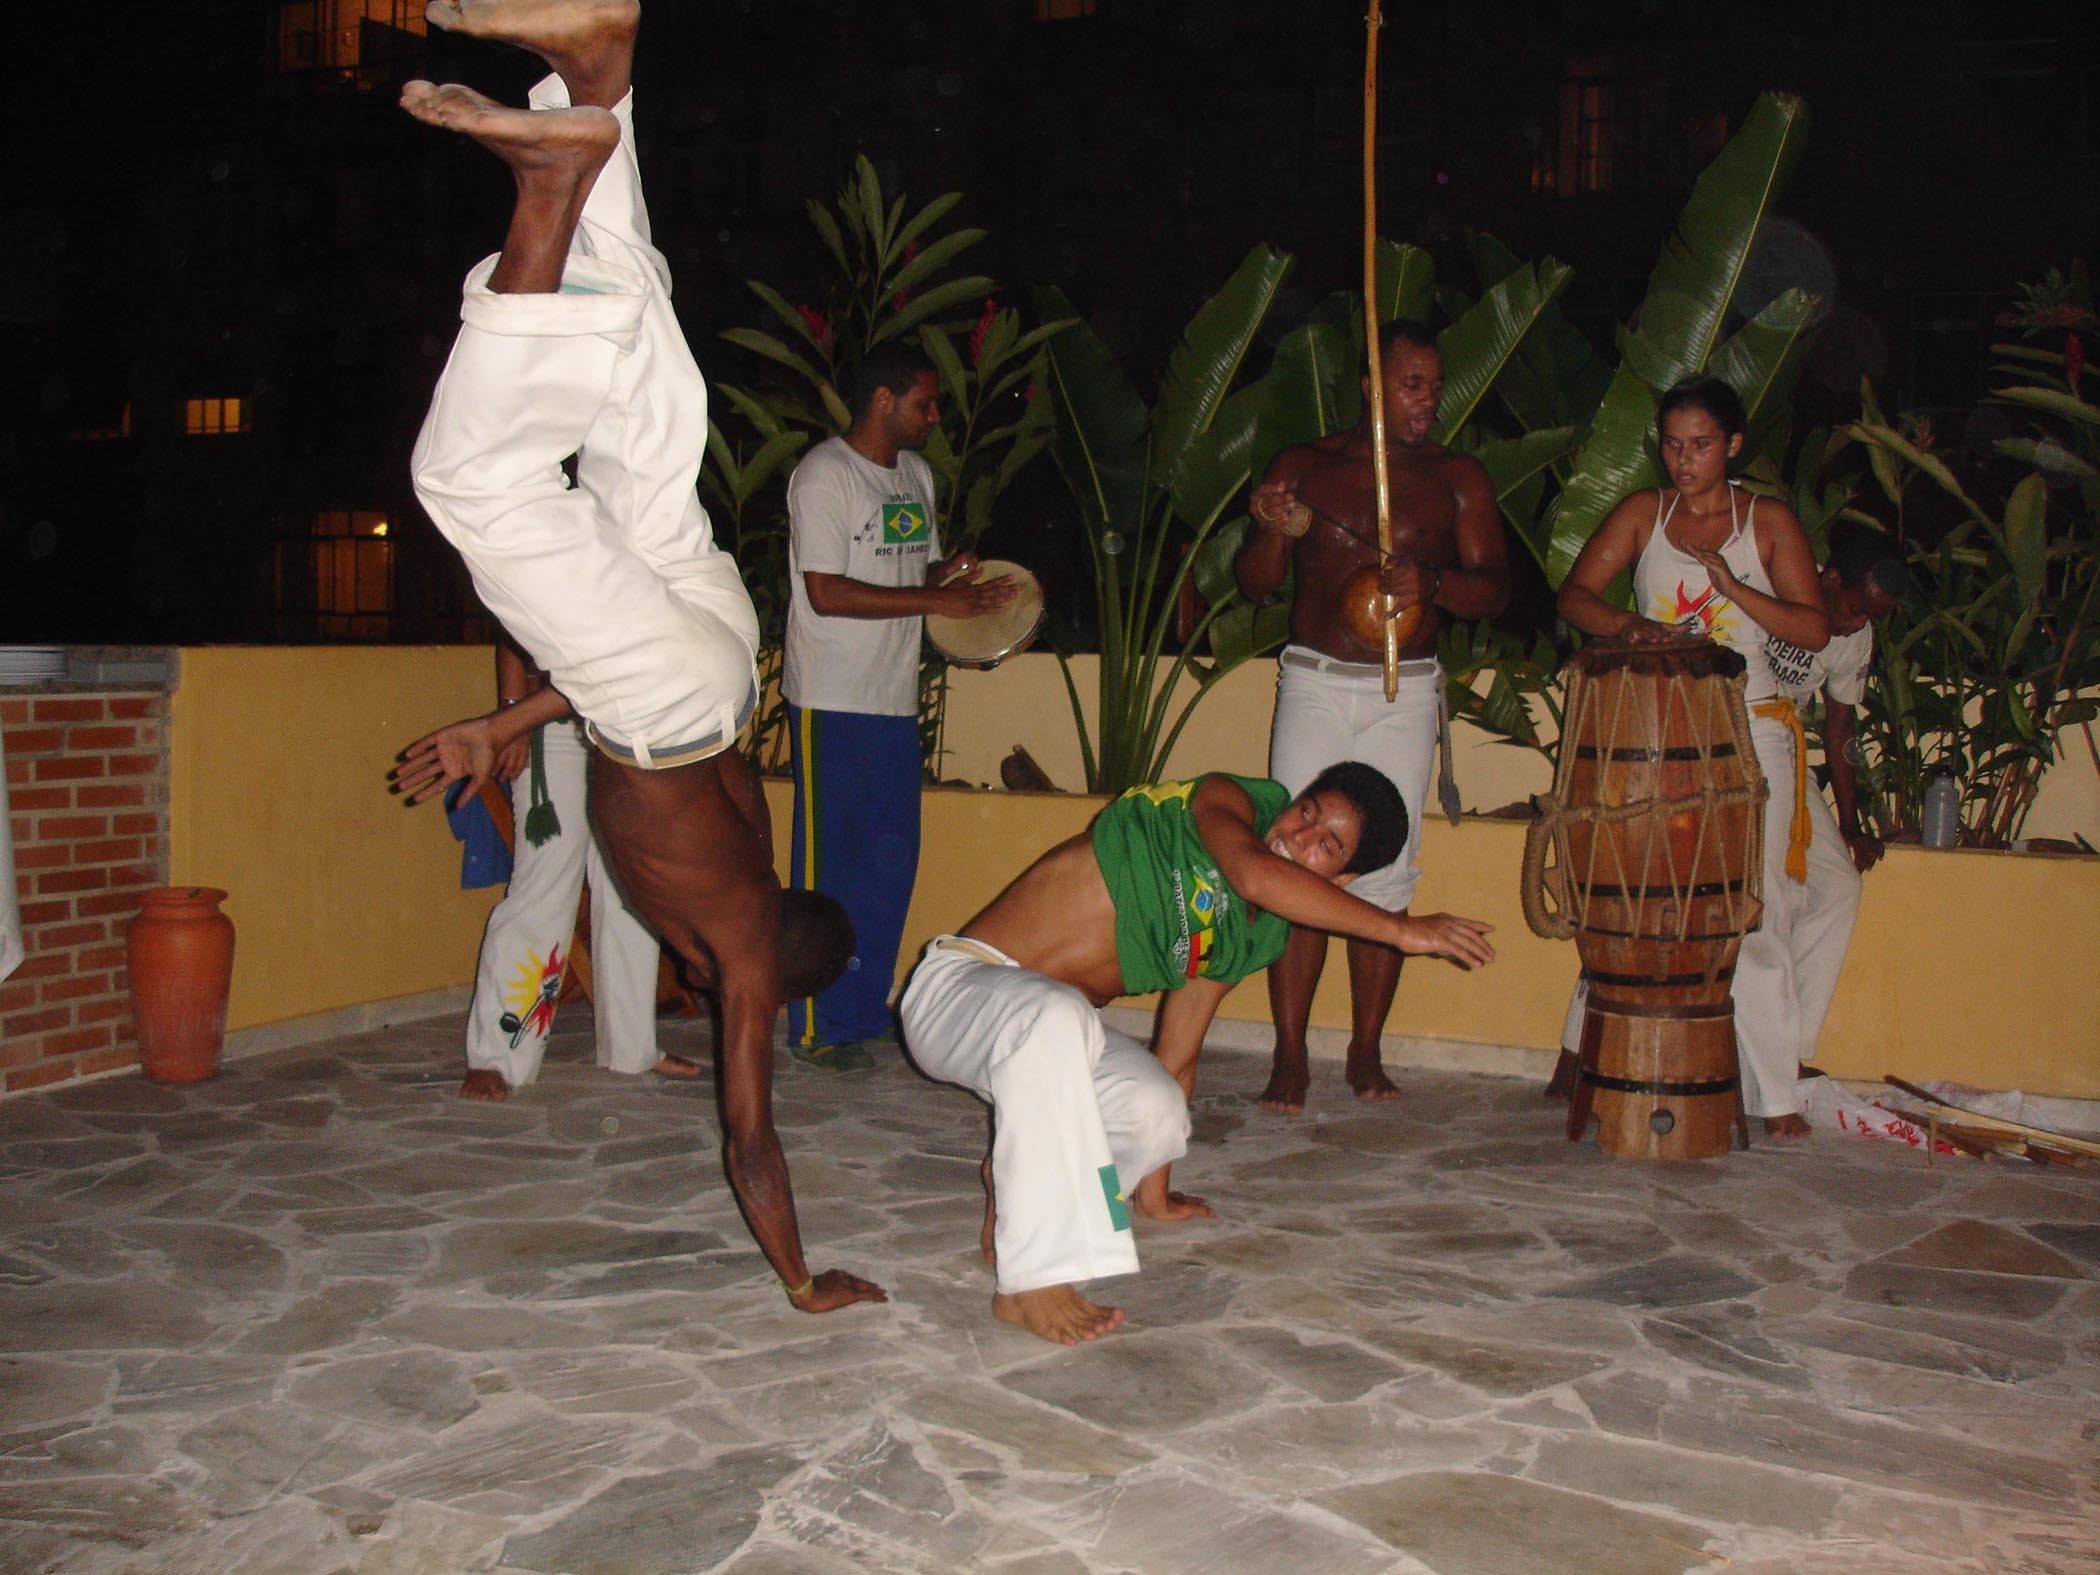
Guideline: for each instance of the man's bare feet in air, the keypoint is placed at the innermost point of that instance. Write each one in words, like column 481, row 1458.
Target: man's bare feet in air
column 1787, row 1129
column 1286, row 1091
column 669, row 1065
column 1154, row 1200
column 986, row 1239
column 484, row 1083
column 1367, row 1079
column 555, row 148
column 588, row 43
column 1056, row 1313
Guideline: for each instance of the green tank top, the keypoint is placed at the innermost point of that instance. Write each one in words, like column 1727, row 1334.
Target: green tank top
column 1176, row 919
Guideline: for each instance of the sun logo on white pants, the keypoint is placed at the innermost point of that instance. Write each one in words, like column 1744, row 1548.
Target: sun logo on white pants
column 531, row 996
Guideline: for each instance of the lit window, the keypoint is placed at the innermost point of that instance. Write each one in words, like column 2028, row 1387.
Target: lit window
column 344, row 35
column 1063, row 10
column 215, row 417
column 335, row 576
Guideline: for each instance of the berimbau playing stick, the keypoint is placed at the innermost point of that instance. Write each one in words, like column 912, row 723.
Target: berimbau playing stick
column 1373, row 22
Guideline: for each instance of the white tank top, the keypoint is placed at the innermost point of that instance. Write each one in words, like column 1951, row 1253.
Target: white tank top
column 1673, row 587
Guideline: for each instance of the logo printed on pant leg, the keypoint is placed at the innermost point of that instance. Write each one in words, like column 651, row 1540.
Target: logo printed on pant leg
column 532, row 995
column 1118, row 1205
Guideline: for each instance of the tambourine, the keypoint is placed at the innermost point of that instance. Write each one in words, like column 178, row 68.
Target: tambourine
column 989, row 638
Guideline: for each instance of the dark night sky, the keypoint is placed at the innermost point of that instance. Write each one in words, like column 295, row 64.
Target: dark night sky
column 189, row 222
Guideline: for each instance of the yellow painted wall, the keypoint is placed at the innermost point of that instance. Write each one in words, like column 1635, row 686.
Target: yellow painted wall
column 277, row 763
column 1978, row 967
column 1974, row 966
column 1024, row 702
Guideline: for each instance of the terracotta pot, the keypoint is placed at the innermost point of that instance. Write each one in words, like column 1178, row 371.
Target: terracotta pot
column 180, row 952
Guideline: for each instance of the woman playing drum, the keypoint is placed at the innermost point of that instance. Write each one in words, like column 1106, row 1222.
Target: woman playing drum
column 1713, row 562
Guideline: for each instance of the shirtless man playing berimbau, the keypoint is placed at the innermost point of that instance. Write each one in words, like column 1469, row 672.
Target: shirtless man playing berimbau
column 614, row 586
column 1185, row 888
column 1316, row 512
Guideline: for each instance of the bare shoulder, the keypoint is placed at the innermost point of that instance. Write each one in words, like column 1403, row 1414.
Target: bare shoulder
column 1635, row 512
column 1466, row 472
column 1775, row 520
column 1219, row 792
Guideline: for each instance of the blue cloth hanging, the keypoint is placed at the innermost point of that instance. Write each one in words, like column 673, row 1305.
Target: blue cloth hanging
column 483, row 859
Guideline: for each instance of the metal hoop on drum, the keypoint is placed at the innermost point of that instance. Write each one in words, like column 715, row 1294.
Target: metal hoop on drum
column 988, row 639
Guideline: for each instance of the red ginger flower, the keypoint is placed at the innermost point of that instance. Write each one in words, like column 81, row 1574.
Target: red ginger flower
column 984, row 326
column 819, row 327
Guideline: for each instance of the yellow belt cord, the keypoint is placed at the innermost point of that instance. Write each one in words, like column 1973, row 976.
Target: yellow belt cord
column 1781, row 709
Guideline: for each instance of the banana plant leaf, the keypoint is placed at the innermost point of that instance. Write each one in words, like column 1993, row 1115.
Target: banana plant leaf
column 1099, row 444
column 1762, row 360
column 1480, row 347
column 1406, row 282
column 1216, row 463
column 1207, row 362
column 1681, row 317
column 1555, row 378
column 1511, row 462
column 1244, row 631
column 1303, row 391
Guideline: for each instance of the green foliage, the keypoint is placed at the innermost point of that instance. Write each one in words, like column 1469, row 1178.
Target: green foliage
column 1999, row 654
column 1152, row 482
column 1679, row 328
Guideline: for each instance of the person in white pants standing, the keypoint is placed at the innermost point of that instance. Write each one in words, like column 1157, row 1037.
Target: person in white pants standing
column 525, row 951
column 615, row 587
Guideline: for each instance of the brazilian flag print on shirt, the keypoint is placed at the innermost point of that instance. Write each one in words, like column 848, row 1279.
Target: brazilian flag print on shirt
column 904, row 524
column 1176, row 918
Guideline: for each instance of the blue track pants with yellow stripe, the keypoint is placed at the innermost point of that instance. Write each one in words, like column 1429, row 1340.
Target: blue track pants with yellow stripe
column 856, row 839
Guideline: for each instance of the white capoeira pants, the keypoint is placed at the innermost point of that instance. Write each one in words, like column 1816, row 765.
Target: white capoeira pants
column 1327, row 711
column 1786, row 973
column 525, row 950
column 614, row 586
column 1080, row 1113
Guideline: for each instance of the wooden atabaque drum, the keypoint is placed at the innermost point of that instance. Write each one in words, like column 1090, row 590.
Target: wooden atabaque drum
column 1655, row 828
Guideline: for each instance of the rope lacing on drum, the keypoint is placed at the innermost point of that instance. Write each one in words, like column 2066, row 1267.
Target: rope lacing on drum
column 1567, row 912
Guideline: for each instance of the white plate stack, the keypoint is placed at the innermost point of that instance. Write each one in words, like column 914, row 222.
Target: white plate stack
column 31, row 664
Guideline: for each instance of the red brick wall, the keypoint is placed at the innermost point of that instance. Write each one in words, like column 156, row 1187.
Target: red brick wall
column 87, row 784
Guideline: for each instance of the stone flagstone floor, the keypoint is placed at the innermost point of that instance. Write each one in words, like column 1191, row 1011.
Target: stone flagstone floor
column 319, row 1317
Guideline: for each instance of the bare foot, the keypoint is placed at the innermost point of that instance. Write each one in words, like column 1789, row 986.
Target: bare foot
column 486, row 1083
column 1369, row 1083
column 986, row 1241
column 561, row 146
column 1056, row 1313
column 1171, row 1207
column 1286, row 1091
column 590, row 43
column 1787, row 1129
column 669, row 1065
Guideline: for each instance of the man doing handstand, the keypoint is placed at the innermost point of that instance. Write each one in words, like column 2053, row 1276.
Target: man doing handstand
column 614, row 586
column 1186, row 887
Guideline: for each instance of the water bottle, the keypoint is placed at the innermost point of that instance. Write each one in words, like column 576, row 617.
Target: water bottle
column 1941, row 825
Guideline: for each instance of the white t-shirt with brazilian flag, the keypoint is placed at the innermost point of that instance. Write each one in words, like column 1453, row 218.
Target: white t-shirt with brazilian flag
column 847, row 515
